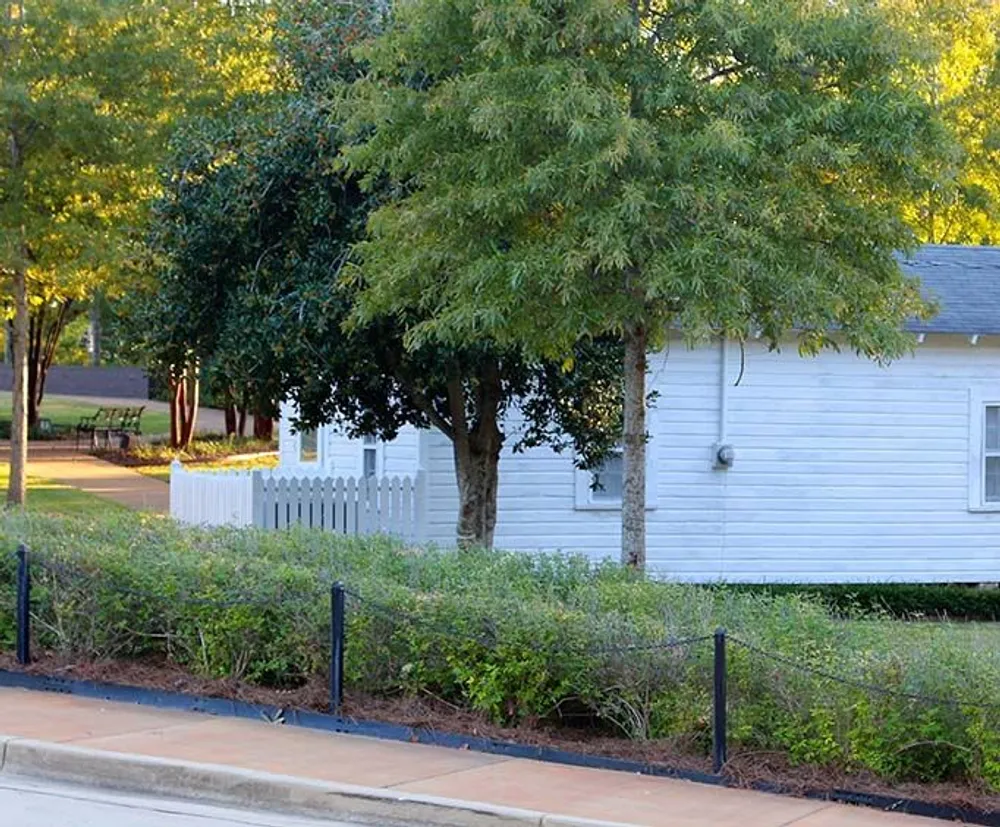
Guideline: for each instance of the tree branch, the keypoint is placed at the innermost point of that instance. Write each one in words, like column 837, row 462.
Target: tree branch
column 723, row 72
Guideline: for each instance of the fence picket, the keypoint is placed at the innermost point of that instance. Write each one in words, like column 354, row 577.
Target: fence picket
column 347, row 505
column 340, row 506
column 384, row 505
column 282, row 498
column 407, row 510
column 316, row 503
column 395, row 507
column 351, row 507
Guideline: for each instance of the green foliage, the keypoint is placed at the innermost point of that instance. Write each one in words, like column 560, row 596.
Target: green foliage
column 963, row 83
column 572, row 170
column 519, row 638
column 252, row 233
column 202, row 449
column 90, row 90
column 906, row 601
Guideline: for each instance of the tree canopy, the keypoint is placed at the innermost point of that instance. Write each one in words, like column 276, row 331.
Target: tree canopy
column 88, row 92
column 589, row 168
column 252, row 233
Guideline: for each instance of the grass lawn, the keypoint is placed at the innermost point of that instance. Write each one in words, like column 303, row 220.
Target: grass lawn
column 66, row 411
column 50, row 497
column 162, row 472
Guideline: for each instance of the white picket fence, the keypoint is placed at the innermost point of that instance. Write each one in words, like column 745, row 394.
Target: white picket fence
column 209, row 498
column 344, row 505
column 272, row 500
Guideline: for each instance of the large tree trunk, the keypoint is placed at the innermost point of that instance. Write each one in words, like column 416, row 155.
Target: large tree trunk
column 176, row 391
column 95, row 330
column 192, row 384
column 229, row 414
column 477, row 457
column 19, row 415
column 476, row 470
column 263, row 427
column 44, row 331
column 241, row 423
column 634, row 450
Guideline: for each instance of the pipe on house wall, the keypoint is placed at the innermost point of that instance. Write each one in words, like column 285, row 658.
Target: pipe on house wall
column 723, row 389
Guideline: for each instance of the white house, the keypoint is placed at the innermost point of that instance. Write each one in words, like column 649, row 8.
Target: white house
column 842, row 470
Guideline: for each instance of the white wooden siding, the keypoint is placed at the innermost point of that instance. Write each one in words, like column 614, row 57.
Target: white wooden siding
column 844, row 471
column 342, row 455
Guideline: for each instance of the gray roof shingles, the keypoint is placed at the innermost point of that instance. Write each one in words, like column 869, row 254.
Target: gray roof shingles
column 965, row 284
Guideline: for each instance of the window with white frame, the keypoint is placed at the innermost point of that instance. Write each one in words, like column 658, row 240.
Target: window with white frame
column 991, row 454
column 600, row 489
column 984, row 452
column 309, row 446
column 369, row 456
column 606, row 480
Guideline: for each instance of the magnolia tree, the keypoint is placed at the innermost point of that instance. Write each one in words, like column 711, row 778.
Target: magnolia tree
column 579, row 168
column 245, row 253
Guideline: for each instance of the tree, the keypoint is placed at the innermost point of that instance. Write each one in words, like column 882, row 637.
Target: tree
column 602, row 169
column 962, row 205
column 89, row 89
column 252, row 233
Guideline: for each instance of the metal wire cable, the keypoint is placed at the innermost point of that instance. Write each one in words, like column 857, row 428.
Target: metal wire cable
column 393, row 613
column 860, row 684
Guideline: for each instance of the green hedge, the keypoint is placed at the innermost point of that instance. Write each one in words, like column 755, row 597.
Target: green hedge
column 517, row 638
column 900, row 600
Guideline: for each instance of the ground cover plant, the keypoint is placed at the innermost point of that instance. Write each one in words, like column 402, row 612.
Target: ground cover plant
column 206, row 449
column 522, row 640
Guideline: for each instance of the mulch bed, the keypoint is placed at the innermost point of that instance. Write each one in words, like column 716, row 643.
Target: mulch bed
column 744, row 769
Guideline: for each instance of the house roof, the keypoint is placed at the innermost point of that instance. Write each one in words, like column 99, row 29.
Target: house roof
column 965, row 284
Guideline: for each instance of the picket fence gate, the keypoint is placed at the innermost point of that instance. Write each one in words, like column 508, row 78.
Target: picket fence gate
column 271, row 500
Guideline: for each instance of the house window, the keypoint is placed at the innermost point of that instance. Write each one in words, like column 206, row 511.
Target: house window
column 991, row 454
column 606, row 481
column 309, row 446
column 984, row 451
column 600, row 489
column 369, row 456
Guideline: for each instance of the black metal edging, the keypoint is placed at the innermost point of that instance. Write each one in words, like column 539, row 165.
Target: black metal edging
column 397, row 732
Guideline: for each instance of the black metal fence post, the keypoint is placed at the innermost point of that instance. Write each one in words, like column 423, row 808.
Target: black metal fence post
column 336, row 647
column 23, row 607
column 719, row 703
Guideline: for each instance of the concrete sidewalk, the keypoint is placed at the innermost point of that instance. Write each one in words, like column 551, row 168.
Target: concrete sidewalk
column 477, row 781
column 61, row 462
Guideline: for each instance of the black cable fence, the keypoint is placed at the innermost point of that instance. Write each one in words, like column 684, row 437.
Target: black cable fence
column 342, row 601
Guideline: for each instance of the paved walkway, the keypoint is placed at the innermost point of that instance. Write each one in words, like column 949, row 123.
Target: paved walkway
column 416, row 768
column 60, row 461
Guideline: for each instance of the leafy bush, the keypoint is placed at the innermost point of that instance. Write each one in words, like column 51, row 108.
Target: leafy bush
column 900, row 600
column 200, row 450
column 519, row 638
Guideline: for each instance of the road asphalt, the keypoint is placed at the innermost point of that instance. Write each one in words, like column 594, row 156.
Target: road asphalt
column 31, row 803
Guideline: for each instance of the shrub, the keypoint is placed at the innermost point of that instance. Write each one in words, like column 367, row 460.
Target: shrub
column 203, row 449
column 900, row 600
column 519, row 638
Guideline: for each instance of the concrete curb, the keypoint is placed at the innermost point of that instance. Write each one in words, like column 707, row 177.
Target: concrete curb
column 211, row 783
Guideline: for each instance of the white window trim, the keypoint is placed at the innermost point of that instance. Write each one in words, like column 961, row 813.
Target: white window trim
column 379, row 458
column 584, row 500
column 979, row 399
column 320, row 440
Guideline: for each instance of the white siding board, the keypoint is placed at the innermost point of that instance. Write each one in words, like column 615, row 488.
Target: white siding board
column 844, row 471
